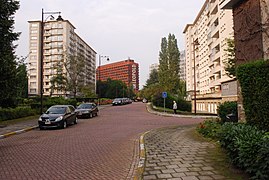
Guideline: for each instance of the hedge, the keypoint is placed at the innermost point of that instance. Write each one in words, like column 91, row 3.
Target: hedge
column 15, row 113
column 254, row 82
column 226, row 108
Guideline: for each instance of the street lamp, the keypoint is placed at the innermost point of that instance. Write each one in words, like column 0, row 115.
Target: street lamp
column 195, row 43
column 41, row 50
column 99, row 78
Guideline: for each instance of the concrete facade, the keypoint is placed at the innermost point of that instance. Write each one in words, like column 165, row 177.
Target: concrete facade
column 59, row 39
column 126, row 71
column 205, row 44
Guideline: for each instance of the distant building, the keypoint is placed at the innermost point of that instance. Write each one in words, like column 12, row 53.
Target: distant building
column 126, row 71
column 182, row 65
column 205, row 44
column 59, row 39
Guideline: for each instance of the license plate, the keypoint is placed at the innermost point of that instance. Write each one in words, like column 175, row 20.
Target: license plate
column 47, row 122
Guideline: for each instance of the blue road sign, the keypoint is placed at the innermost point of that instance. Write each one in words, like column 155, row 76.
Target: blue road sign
column 164, row 94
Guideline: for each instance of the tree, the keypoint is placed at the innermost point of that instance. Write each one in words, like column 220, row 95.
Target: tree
column 59, row 80
column 8, row 90
column 169, row 58
column 22, row 79
column 230, row 64
column 153, row 77
column 75, row 67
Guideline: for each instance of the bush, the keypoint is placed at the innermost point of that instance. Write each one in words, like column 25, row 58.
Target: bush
column 182, row 105
column 228, row 108
column 254, row 82
column 209, row 129
column 8, row 114
column 246, row 146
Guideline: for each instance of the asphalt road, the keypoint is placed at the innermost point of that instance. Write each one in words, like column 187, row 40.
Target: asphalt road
column 101, row 148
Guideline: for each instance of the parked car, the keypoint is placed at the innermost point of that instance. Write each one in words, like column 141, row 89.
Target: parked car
column 87, row 110
column 117, row 101
column 58, row 116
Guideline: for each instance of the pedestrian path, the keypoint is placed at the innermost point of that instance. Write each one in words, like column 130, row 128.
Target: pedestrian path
column 17, row 128
column 173, row 154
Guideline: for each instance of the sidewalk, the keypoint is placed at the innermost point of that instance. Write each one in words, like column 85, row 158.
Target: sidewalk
column 20, row 127
column 174, row 153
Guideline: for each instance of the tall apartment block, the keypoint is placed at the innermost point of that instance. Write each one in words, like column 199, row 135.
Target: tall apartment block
column 205, row 43
column 126, row 71
column 59, row 39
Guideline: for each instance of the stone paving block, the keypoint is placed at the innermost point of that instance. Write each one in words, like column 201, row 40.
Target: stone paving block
column 172, row 166
column 182, row 170
column 205, row 178
column 150, row 177
column 207, row 168
column 164, row 175
column 218, row 176
column 155, row 172
column 191, row 173
column 177, row 175
column 194, row 169
column 206, row 173
column 190, row 178
column 166, row 171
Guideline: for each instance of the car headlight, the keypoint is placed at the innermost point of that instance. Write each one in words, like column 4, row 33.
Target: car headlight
column 40, row 119
column 59, row 118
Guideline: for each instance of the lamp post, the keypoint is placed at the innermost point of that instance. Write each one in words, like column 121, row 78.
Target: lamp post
column 195, row 43
column 41, row 51
column 99, row 76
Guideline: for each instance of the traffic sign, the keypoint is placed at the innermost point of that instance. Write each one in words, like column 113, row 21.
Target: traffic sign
column 164, row 94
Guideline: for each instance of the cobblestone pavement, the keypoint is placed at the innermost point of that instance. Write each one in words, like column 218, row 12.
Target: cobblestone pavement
column 101, row 148
column 173, row 154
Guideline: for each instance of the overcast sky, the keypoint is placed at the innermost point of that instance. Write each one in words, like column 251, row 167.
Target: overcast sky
column 116, row 28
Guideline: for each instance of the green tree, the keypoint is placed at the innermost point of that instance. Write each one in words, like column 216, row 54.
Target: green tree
column 153, row 77
column 22, row 79
column 8, row 90
column 75, row 68
column 169, row 58
column 230, row 62
column 59, row 80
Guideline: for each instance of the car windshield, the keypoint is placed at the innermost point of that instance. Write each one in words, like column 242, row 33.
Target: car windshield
column 56, row 110
column 85, row 106
column 118, row 99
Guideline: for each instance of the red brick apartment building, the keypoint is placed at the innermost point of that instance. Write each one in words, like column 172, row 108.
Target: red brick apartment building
column 126, row 71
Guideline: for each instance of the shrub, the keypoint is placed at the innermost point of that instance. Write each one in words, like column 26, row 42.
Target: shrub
column 182, row 104
column 246, row 147
column 8, row 114
column 227, row 108
column 209, row 129
column 254, row 82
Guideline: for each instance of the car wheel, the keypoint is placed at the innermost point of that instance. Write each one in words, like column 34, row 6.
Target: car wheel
column 96, row 114
column 64, row 125
column 76, row 121
column 41, row 128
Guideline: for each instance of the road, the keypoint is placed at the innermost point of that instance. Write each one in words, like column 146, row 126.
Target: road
column 101, row 148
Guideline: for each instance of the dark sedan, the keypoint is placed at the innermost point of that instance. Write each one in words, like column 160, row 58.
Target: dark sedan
column 58, row 116
column 87, row 110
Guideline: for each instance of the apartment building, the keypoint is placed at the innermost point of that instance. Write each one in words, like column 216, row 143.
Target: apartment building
column 59, row 40
column 126, row 71
column 205, row 44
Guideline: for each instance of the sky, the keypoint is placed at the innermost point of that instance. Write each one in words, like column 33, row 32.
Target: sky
column 120, row 29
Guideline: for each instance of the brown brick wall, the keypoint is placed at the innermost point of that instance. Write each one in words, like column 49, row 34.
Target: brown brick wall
column 248, row 31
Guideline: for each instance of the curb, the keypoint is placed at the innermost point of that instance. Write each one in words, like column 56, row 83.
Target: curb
column 142, row 158
column 17, row 132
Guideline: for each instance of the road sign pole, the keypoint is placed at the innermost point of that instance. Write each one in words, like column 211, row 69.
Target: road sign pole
column 164, row 105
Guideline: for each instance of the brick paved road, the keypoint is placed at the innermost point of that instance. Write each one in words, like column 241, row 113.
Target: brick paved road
column 104, row 147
